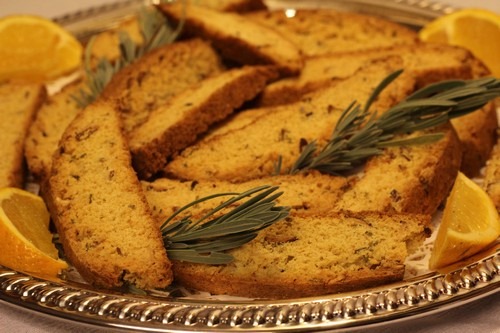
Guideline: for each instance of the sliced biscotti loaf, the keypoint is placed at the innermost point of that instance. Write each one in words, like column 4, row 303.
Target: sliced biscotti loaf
column 428, row 63
column 253, row 151
column 312, row 256
column 153, row 79
column 491, row 182
column 18, row 106
column 99, row 209
column 238, row 38
column 44, row 134
column 409, row 179
column 329, row 31
column 173, row 127
column 308, row 193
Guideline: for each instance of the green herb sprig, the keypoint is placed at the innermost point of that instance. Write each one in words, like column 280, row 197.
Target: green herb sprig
column 155, row 32
column 360, row 134
column 206, row 239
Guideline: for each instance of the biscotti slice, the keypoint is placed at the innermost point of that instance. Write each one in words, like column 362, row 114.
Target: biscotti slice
column 254, row 150
column 173, row 127
column 308, row 193
column 313, row 256
column 326, row 31
column 491, row 182
column 156, row 77
column 18, row 106
column 238, row 38
column 51, row 120
column 408, row 179
column 239, row 6
column 99, row 209
column 428, row 62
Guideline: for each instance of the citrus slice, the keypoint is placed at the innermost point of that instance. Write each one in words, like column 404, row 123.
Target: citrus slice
column 470, row 223
column 26, row 242
column 36, row 49
column 477, row 30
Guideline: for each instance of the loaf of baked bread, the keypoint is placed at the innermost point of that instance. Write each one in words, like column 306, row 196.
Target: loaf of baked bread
column 327, row 31
column 237, row 38
column 18, row 106
column 253, row 151
column 309, row 256
column 153, row 79
column 172, row 127
column 99, row 209
column 44, row 134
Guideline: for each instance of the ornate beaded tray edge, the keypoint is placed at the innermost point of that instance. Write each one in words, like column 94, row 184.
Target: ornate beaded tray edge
column 420, row 296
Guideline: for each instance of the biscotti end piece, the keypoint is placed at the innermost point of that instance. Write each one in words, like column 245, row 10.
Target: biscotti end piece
column 311, row 256
column 327, row 31
column 51, row 120
column 18, row 106
column 173, row 127
column 238, row 38
column 99, row 209
column 159, row 75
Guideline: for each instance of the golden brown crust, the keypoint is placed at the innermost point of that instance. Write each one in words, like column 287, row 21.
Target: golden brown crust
column 238, row 39
column 239, row 6
column 99, row 209
column 158, row 76
column 337, row 251
column 173, row 127
column 18, row 106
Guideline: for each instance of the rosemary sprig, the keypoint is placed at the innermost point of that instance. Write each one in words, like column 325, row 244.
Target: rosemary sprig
column 359, row 135
column 155, row 32
column 204, row 240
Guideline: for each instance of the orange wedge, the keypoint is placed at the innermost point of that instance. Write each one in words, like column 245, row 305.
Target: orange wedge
column 26, row 242
column 477, row 30
column 470, row 223
column 36, row 49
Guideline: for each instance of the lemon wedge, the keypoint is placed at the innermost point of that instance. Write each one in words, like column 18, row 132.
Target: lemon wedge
column 470, row 223
column 36, row 49
column 477, row 30
column 26, row 244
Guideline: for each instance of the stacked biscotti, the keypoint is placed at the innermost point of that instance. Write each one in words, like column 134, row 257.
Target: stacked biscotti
column 207, row 115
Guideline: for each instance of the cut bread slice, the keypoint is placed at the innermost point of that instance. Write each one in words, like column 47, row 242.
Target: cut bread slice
column 327, row 31
column 18, row 104
column 99, row 209
column 159, row 75
column 238, row 38
column 173, row 127
column 311, row 256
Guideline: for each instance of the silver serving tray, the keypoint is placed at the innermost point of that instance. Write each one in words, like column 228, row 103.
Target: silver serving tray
column 155, row 312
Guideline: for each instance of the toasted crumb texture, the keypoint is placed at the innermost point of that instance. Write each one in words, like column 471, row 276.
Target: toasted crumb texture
column 491, row 182
column 308, row 193
column 99, row 209
column 238, row 38
column 54, row 116
column 327, row 31
column 18, row 106
column 173, row 127
column 159, row 75
column 253, row 151
column 307, row 256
